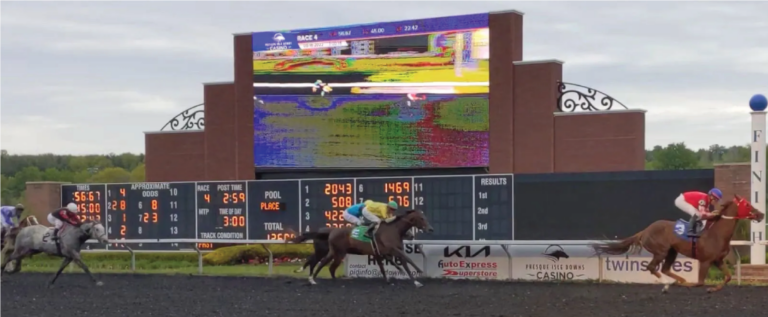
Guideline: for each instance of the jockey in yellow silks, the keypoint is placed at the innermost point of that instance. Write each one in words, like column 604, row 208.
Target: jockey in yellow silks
column 371, row 211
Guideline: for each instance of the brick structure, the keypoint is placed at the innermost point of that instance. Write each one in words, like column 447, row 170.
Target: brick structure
column 528, row 133
column 42, row 198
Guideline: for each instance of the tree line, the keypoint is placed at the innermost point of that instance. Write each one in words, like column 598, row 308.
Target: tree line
column 17, row 170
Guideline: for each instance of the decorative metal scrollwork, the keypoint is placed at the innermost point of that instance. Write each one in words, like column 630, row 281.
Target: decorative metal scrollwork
column 190, row 119
column 573, row 96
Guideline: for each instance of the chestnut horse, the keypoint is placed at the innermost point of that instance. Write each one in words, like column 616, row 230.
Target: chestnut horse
column 662, row 239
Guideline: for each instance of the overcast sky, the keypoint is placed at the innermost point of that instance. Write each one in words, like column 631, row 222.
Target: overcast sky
column 91, row 77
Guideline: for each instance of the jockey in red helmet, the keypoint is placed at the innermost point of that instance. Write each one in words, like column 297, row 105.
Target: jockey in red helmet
column 697, row 205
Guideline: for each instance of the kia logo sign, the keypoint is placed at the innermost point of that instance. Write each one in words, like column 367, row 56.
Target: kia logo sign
column 466, row 251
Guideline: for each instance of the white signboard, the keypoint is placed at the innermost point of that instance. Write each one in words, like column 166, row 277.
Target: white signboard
column 364, row 266
column 553, row 263
column 466, row 262
column 633, row 269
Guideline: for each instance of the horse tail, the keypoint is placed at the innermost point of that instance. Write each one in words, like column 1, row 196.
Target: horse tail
column 632, row 244
column 310, row 236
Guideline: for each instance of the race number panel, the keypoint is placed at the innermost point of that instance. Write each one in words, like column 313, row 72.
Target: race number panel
column 90, row 200
column 447, row 203
column 150, row 211
column 221, row 210
column 384, row 190
column 493, row 207
column 323, row 202
column 273, row 210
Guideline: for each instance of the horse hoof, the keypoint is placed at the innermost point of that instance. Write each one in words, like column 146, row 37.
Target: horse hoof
column 99, row 283
column 417, row 284
column 312, row 281
column 712, row 290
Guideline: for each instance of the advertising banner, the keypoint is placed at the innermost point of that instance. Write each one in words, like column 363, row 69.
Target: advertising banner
column 633, row 269
column 364, row 266
column 466, row 262
column 553, row 263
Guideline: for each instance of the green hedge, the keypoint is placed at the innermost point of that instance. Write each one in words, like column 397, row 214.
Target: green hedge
column 246, row 253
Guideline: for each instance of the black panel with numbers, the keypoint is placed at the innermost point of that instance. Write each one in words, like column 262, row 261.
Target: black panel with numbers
column 397, row 189
column 447, row 202
column 493, row 200
column 273, row 210
column 323, row 202
column 90, row 200
column 150, row 211
column 221, row 210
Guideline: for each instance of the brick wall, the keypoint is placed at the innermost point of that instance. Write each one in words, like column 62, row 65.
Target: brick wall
column 733, row 178
column 42, row 198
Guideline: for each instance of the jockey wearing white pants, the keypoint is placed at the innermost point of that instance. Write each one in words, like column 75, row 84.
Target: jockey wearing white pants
column 696, row 204
column 58, row 223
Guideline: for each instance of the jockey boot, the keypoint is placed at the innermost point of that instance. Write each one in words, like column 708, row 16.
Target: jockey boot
column 369, row 232
column 55, row 234
column 694, row 226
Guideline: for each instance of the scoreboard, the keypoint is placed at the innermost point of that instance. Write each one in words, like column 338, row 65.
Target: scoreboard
column 470, row 207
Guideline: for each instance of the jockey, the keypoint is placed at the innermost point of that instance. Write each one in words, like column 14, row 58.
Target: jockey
column 67, row 214
column 369, row 210
column 697, row 205
column 8, row 213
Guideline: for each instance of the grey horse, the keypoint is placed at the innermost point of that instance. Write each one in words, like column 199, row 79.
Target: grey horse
column 39, row 239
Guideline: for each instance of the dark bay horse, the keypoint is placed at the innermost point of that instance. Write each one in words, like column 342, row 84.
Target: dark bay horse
column 320, row 244
column 387, row 239
column 662, row 239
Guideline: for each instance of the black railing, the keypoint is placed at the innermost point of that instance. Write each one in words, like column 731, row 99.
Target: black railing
column 573, row 97
column 190, row 119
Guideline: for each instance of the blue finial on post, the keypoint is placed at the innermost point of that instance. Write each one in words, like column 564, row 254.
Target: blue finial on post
column 758, row 103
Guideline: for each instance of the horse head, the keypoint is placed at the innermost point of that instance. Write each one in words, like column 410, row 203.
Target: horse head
column 740, row 208
column 416, row 219
column 94, row 230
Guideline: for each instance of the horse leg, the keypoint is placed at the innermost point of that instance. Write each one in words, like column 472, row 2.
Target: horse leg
column 703, row 271
column 307, row 262
column 666, row 268
column 653, row 264
column 334, row 265
column 403, row 257
column 328, row 257
column 63, row 265
column 82, row 265
column 319, row 255
column 380, row 263
column 720, row 264
column 394, row 263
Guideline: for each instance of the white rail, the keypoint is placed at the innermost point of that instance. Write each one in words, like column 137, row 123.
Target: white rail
column 264, row 244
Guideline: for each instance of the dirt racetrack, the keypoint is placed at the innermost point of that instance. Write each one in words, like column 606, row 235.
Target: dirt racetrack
column 191, row 296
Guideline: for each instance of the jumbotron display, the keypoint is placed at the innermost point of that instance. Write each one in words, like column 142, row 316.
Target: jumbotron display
column 385, row 95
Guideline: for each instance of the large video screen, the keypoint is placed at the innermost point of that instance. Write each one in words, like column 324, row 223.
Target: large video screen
column 408, row 94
